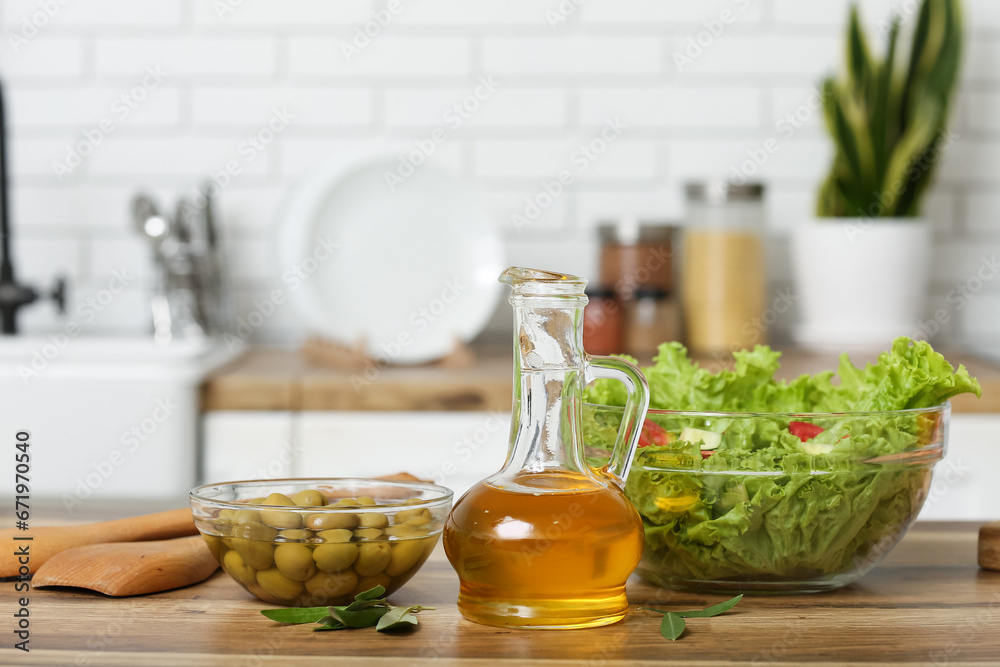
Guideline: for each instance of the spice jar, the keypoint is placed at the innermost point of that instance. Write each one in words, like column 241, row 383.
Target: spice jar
column 653, row 318
column 723, row 272
column 603, row 322
column 636, row 254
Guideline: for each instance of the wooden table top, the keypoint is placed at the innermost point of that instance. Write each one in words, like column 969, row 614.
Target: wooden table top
column 273, row 379
column 926, row 604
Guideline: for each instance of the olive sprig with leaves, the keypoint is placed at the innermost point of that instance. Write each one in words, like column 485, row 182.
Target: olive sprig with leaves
column 369, row 608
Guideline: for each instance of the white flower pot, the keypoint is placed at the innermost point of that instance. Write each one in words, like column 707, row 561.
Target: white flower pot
column 860, row 281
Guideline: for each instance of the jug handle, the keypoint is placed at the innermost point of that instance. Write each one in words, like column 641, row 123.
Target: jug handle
column 614, row 368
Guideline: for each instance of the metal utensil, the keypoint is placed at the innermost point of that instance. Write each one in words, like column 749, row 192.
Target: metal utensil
column 188, row 299
column 148, row 220
column 157, row 228
column 218, row 306
column 208, row 212
column 186, row 271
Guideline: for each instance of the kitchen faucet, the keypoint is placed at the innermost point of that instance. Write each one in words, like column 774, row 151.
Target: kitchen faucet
column 14, row 295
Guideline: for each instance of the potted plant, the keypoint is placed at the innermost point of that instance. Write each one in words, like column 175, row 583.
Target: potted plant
column 861, row 266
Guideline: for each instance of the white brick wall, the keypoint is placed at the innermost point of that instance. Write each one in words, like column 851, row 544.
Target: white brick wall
column 193, row 57
column 573, row 56
column 390, row 55
column 559, row 81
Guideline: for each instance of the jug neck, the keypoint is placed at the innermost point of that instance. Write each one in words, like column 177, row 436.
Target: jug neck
column 549, row 377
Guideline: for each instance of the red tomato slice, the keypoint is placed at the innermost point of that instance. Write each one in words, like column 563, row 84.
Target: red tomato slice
column 653, row 434
column 804, row 430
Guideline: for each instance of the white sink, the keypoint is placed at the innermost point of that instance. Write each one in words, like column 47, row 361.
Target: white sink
column 109, row 418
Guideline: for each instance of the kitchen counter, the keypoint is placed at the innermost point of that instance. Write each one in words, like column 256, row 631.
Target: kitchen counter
column 926, row 604
column 271, row 379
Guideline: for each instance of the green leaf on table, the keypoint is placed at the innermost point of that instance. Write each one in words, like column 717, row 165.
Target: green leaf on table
column 714, row 610
column 330, row 623
column 369, row 598
column 293, row 615
column 672, row 626
column 399, row 618
column 368, row 609
column 673, row 623
column 364, row 618
column 371, row 593
column 358, row 605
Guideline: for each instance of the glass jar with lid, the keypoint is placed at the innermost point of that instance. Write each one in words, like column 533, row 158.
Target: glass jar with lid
column 723, row 270
column 636, row 254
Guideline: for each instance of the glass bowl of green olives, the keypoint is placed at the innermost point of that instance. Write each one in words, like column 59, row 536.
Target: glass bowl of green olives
column 316, row 542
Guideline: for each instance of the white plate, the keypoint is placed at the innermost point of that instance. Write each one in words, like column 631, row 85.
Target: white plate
column 411, row 272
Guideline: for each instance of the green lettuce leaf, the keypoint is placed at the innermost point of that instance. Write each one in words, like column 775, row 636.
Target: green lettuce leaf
column 909, row 375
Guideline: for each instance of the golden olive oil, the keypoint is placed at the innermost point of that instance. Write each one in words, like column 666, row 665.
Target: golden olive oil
column 557, row 557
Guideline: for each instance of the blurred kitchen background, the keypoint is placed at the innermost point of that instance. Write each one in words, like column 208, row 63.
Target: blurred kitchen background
column 694, row 90
column 229, row 67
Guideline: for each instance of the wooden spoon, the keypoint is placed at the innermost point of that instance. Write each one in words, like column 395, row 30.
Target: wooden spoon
column 129, row 568
column 48, row 541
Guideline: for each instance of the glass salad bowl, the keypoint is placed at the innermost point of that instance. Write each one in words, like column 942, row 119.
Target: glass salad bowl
column 776, row 502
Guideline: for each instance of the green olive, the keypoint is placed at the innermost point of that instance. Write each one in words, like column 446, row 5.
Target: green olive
column 413, row 516
column 278, row 500
column 330, row 520
column 214, row 545
column 246, row 516
column 295, row 561
column 373, row 520
column 226, row 515
column 367, row 501
column 253, row 542
column 234, row 564
column 405, row 530
column 278, row 585
column 335, row 557
column 278, row 518
column 295, row 534
column 367, row 533
column 219, row 528
column 348, row 502
column 256, row 590
column 405, row 554
column 329, row 585
column 258, row 555
column 367, row 583
column 254, row 501
column 420, row 521
column 335, row 535
column 309, row 498
column 372, row 558
column 252, row 530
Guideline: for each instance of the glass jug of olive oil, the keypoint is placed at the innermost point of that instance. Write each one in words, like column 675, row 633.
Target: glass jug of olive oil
column 549, row 541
